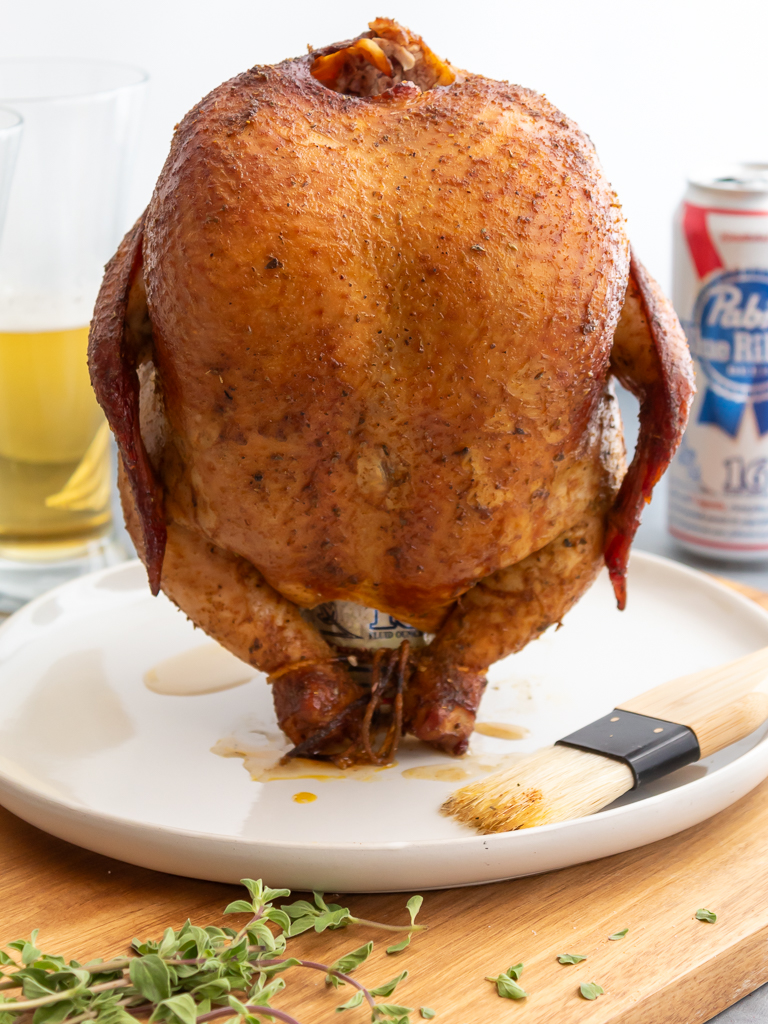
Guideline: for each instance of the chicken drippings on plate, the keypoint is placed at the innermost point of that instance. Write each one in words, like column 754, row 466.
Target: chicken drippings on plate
column 387, row 56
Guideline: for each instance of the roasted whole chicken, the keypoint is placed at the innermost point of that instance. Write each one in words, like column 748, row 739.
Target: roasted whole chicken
column 359, row 349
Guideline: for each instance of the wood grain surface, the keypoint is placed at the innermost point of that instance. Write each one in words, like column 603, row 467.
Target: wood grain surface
column 670, row 968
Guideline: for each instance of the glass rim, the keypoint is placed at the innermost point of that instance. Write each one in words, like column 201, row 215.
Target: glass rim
column 16, row 122
column 140, row 78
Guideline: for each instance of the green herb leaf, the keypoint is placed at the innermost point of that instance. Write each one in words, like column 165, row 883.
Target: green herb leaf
column 261, row 935
column 618, row 935
column 54, row 1013
column 330, row 919
column 256, row 889
column 169, row 943
column 214, row 988
column 350, row 1004
column 389, row 1010
column 239, row 907
column 5, row 960
column 389, row 986
column 399, row 946
column 414, row 906
column 182, row 1008
column 427, row 1012
column 270, row 895
column 261, row 993
column 114, row 1014
column 275, row 968
column 591, row 990
column 151, row 977
column 705, row 915
column 301, row 908
column 570, row 958
column 237, row 1006
column 318, row 897
column 279, row 917
column 346, row 964
column 514, row 972
column 36, row 984
column 507, row 988
column 300, row 925
column 29, row 951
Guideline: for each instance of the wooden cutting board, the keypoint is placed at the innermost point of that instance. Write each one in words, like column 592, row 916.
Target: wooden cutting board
column 670, row 968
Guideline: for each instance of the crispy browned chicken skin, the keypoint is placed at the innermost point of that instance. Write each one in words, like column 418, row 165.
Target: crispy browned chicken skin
column 358, row 348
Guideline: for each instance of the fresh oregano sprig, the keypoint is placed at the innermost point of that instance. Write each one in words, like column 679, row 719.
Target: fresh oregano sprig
column 195, row 975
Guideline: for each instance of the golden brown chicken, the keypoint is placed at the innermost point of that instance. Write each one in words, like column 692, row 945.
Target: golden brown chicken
column 358, row 349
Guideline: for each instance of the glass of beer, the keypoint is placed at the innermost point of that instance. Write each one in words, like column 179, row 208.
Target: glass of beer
column 66, row 212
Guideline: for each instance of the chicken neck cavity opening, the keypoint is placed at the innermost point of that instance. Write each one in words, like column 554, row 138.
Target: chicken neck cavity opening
column 387, row 56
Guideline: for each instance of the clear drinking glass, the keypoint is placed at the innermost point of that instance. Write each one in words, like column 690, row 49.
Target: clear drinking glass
column 10, row 135
column 66, row 213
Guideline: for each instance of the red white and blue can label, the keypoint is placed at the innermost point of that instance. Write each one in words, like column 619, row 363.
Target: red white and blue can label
column 719, row 479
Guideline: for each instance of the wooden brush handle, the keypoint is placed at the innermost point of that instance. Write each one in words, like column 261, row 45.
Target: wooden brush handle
column 721, row 704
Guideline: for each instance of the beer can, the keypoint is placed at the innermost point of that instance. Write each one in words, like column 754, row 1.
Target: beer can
column 718, row 503
column 349, row 625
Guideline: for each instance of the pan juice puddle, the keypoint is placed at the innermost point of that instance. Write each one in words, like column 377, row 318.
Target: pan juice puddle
column 461, row 768
column 438, row 773
column 208, row 668
column 261, row 759
column 262, row 762
column 502, row 730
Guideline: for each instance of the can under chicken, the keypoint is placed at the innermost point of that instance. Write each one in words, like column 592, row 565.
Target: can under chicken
column 349, row 625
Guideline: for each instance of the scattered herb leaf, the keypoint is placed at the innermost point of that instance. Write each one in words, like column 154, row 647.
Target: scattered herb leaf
column 427, row 1012
column 514, row 972
column 618, row 935
column 705, row 915
column 591, row 990
column 399, row 946
column 346, row 964
column 384, row 1010
column 570, row 958
column 389, row 986
column 507, row 986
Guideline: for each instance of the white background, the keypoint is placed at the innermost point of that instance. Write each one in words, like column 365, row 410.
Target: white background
column 660, row 85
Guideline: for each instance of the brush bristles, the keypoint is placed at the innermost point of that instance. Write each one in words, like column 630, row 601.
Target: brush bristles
column 554, row 784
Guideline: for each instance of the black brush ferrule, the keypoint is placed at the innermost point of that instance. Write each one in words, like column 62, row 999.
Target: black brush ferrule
column 650, row 746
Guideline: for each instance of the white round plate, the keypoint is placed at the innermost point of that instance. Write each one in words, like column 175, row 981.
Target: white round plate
column 91, row 752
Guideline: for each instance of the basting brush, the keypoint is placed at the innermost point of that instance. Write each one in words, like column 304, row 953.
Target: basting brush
column 646, row 738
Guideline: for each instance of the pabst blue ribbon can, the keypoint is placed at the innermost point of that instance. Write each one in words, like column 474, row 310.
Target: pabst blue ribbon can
column 719, row 478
